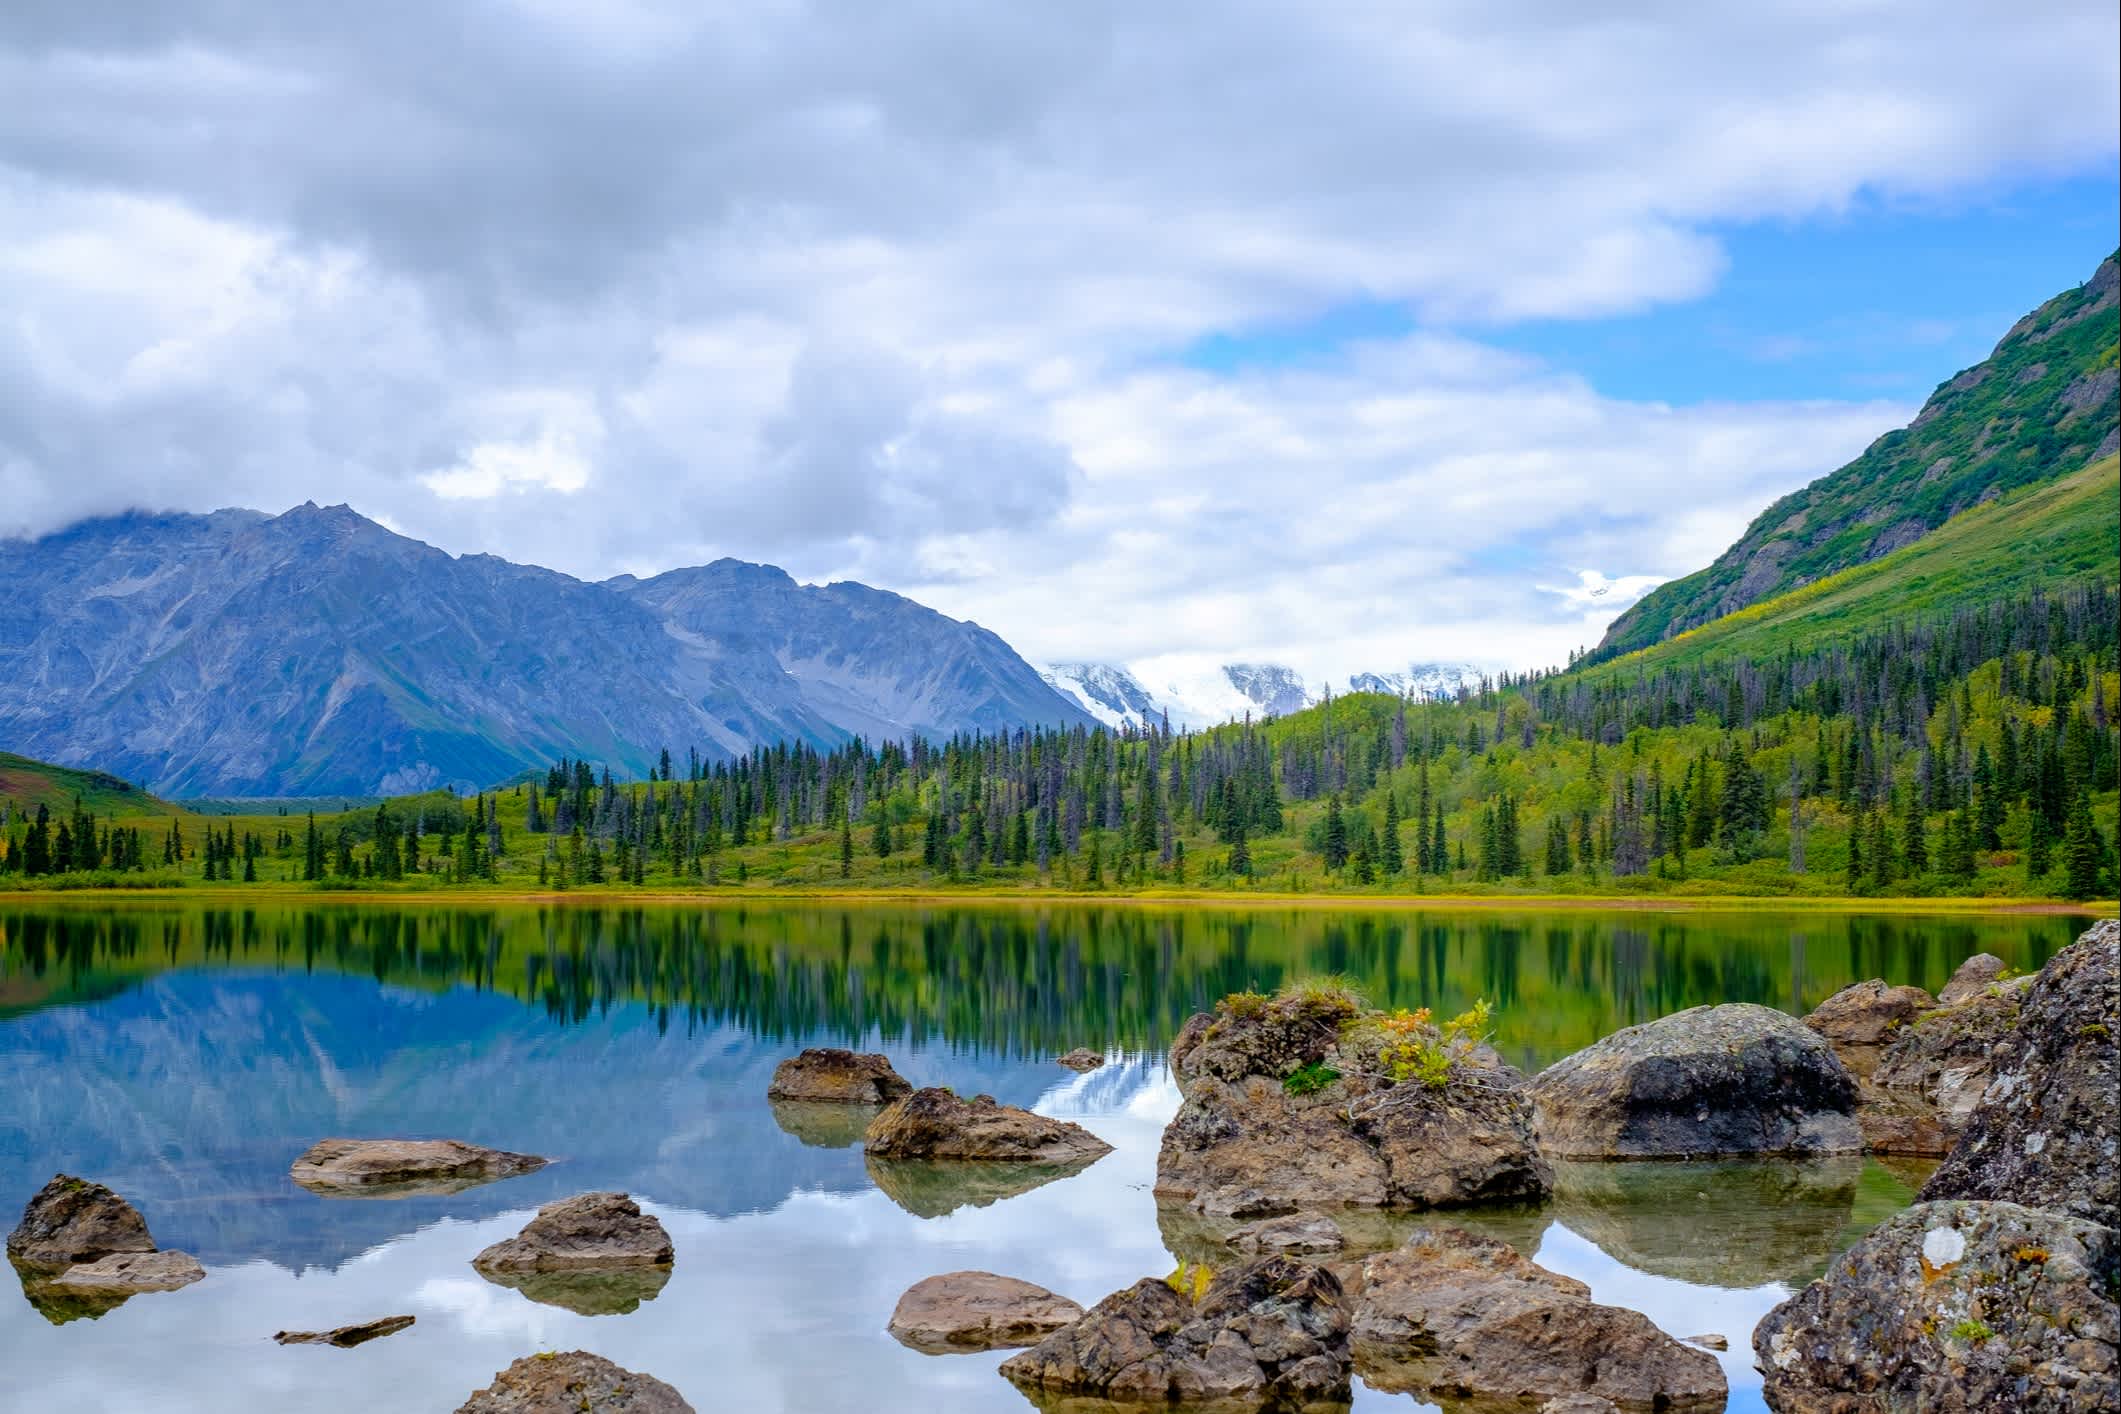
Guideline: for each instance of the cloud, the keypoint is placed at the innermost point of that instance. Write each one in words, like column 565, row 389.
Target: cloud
column 894, row 293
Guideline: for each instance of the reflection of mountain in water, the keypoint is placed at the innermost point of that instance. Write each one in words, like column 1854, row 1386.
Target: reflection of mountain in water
column 192, row 1094
column 1020, row 980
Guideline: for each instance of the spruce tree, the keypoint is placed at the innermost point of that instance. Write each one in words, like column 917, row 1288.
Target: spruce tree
column 1393, row 857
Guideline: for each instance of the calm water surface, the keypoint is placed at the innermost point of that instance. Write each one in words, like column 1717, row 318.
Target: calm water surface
column 185, row 1055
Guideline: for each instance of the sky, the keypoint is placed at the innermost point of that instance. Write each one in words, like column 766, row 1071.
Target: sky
column 1337, row 336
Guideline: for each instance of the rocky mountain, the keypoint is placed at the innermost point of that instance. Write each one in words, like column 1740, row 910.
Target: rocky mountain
column 315, row 652
column 1119, row 697
column 2043, row 405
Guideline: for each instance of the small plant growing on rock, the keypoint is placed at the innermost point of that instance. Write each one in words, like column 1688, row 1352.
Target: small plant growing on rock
column 1417, row 1051
column 1190, row 1280
column 1309, row 1079
column 1972, row 1331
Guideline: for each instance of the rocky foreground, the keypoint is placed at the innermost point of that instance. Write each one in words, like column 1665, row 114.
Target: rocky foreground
column 1998, row 1290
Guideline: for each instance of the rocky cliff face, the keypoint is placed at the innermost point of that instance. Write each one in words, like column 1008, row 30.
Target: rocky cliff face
column 316, row 652
column 2043, row 405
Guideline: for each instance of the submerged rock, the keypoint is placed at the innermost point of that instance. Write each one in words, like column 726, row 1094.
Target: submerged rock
column 1858, row 1021
column 345, row 1337
column 72, row 1220
column 1731, row 1079
column 2045, row 1131
column 936, row 1124
column 830, row 1075
column 573, row 1382
column 1452, row 1315
column 587, row 1231
column 1080, row 1060
column 1300, row 1233
column 1290, row 1104
column 395, row 1168
column 936, row 1188
column 132, row 1272
column 1269, row 1333
column 592, row 1291
column 1745, row 1221
column 1949, row 1307
column 960, row 1311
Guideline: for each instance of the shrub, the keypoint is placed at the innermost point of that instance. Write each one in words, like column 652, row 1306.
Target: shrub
column 1309, row 1079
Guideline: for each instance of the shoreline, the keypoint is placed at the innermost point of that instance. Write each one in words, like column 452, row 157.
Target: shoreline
column 1016, row 898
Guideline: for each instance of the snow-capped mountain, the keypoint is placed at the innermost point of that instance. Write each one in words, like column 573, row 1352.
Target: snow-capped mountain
column 1424, row 682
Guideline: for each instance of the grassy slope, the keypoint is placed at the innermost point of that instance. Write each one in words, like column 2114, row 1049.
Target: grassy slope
column 25, row 784
column 2046, row 535
column 1999, row 426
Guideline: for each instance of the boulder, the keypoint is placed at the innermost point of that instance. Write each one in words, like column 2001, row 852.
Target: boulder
column 937, row 1124
column 2045, row 1131
column 829, row 1075
column 960, row 1311
column 1268, row 1333
column 573, row 1382
column 1189, row 1034
column 345, row 1337
column 1950, row 1308
column 1930, row 1076
column 130, row 1272
column 1291, row 1104
column 72, row 1220
column 1080, row 1060
column 1974, row 976
column 396, row 1168
column 1452, row 1315
column 586, row 1291
column 1731, row 1079
column 1859, row 1021
column 586, row 1232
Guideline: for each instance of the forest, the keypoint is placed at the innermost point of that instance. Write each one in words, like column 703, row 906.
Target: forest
column 1970, row 754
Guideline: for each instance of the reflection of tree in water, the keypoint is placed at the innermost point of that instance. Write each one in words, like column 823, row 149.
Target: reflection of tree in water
column 1016, row 980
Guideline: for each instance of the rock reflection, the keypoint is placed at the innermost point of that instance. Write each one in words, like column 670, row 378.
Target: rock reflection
column 60, row 1304
column 936, row 1188
column 616, row 1291
column 823, row 1126
column 1194, row 1237
column 1733, row 1224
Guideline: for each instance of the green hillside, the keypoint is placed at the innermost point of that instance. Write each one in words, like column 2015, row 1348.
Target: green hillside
column 26, row 784
column 2043, row 536
column 2041, row 406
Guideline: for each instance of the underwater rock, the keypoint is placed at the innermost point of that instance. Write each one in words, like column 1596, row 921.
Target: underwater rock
column 1080, row 1060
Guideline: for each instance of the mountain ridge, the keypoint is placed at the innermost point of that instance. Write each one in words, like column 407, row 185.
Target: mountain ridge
column 237, row 653
column 2045, row 403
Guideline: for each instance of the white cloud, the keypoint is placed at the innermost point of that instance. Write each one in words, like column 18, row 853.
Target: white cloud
column 891, row 294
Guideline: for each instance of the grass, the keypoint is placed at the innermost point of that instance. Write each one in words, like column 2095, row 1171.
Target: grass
column 26, row 784
column 2049, row 534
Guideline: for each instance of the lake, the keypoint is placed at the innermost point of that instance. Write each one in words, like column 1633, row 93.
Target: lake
column 184, row 1055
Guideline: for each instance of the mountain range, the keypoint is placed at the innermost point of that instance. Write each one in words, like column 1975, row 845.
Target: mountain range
column 316, row 652
column 1119, row 697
